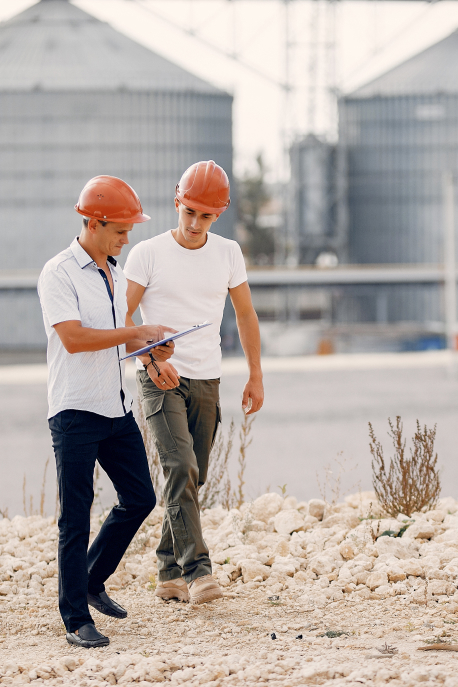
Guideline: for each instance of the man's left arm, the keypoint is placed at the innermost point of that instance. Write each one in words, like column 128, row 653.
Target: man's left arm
column 250, row 338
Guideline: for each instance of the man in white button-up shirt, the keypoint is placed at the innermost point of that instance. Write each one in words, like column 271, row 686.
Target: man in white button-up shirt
column 83, row 297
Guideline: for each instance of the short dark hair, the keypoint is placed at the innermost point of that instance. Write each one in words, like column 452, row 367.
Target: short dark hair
column 86, row 222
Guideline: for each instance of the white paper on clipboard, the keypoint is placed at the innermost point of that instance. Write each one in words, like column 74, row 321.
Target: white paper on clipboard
column 172, row 337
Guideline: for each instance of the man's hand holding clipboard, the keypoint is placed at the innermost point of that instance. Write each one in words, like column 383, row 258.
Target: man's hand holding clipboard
column 165, row 340
column 163, row 374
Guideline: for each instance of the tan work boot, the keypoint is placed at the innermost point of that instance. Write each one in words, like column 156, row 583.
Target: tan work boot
column 173, row 589
column 204, row 589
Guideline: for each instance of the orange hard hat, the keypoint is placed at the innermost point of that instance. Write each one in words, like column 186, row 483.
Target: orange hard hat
column 205, row 187
column 110, row 199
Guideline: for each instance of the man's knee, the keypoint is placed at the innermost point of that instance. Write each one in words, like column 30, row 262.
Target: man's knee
column 184, row 468
column 146, row 502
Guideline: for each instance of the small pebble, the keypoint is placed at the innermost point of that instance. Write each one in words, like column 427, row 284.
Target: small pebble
column 273, row 635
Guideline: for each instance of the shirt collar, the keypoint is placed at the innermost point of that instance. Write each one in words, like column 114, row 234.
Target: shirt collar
column 82, row 258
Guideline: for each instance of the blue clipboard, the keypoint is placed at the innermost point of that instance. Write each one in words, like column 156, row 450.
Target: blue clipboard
column 172, row 337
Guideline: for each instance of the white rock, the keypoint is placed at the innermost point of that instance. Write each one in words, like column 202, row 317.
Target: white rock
column 441, row 587
column 266, row 506
column 289, row 502
column 385, row 590
column 234, row 554
column 396, row 574
column 412, row 566
column 285, row 567
column 348, row 549
column 322, row 565
column 399, row 548
column 376, row 579
column 448, row 504
column 252, row 569
column 421, row 529
column 317, row 508
column 287, row 521
column 436, row 515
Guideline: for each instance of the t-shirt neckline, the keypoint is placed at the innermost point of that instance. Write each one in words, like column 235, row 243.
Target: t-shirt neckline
column 198, row 251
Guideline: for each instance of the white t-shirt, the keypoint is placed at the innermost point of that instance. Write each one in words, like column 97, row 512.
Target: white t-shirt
column 186, row 287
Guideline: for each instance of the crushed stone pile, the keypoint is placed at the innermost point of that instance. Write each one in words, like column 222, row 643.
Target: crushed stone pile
column 313, row 594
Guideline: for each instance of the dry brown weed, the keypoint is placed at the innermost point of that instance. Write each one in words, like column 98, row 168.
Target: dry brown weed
column 408, row 483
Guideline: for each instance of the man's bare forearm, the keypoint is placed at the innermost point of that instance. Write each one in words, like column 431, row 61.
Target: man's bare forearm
column 250, row 339
column 85, row 339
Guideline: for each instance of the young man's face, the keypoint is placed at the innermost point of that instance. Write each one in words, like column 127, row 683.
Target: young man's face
column 193, row 226
column 110, row 239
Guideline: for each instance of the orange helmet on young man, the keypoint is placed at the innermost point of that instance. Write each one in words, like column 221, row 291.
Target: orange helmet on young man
column 205, row 187
column 110, row 199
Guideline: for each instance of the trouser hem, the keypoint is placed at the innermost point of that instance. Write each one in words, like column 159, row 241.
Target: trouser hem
column 169, row 576
column 201, row 571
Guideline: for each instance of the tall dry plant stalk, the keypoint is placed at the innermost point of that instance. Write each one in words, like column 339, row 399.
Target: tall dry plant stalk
column 152, row 454
column 41, row 509
column 332, row 480
column 217, row 488
column 245, row 441
column 409, row 483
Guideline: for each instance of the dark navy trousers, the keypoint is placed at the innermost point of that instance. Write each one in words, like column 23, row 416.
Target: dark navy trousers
column 79, row 439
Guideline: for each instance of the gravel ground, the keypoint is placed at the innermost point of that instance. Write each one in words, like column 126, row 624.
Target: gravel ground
column 312, row 595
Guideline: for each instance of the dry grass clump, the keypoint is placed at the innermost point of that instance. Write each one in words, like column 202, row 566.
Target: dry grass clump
column 245, row 441
column 409, row 483
column 30, row 510
column 217, row 488
column 332, row 481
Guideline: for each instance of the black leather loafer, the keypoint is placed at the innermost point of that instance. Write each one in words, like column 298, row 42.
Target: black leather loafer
column 88, row 637
column 103, row 604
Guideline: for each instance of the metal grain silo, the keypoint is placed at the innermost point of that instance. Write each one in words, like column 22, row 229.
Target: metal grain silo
column 399, row 134
column 77, row 99
column 312, row 198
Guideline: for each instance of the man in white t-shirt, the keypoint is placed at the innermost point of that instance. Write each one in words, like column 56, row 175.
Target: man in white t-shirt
column 182, row 277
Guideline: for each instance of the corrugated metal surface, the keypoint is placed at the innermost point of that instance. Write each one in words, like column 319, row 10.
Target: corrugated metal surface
column 78, row 99
column 397, row 151
column 22, row 321
column 400, row 135
column 52, row 143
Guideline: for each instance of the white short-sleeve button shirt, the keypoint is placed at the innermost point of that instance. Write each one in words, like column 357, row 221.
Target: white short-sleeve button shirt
column 71, row 287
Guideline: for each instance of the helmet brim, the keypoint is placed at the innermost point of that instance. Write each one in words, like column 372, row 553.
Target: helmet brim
column 201, row 207
column 136, row 219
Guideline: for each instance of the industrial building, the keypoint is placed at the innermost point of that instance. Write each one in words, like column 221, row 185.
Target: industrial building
column 399, row 135
column 78, row 99
column 377, row 197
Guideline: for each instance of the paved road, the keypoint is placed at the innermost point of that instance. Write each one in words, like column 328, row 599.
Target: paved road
column 311, row 415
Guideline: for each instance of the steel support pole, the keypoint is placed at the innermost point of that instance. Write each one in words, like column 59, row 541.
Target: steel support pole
column 450, row 260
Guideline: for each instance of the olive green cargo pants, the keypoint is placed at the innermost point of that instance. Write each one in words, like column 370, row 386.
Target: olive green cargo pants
column 184, row 422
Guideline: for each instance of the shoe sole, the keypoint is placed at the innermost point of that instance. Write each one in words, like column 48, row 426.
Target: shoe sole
column 169, row 594
column 206, row 596
column 87, row 644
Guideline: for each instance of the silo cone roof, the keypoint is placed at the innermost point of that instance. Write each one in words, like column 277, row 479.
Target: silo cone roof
column 432, row 71
column 54, row 45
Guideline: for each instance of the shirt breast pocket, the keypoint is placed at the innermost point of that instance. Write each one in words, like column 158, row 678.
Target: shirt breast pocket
column 96, row 314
